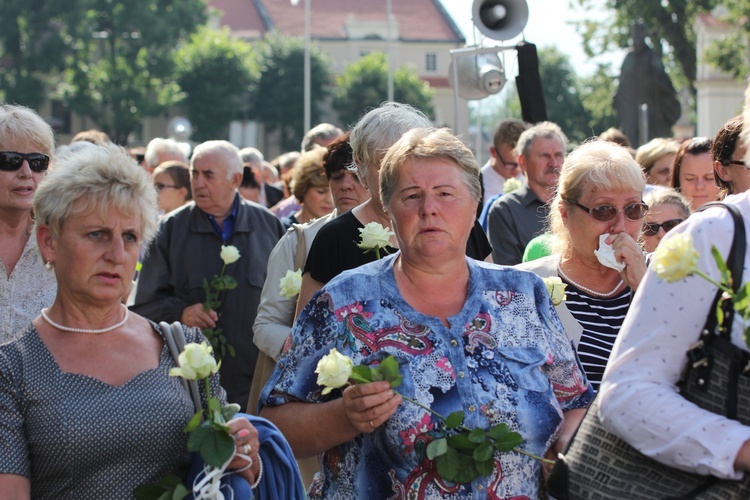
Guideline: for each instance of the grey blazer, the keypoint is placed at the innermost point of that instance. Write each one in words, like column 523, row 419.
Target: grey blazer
column 547, row 267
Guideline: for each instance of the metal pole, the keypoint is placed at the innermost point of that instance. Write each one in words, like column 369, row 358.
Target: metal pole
column 307, row 67
column 643, row 125
column 389, row 14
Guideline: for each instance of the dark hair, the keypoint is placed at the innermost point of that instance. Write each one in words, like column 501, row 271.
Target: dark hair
column 724, row 145
column 339, row 156
column 248, row 178
column 694, row 146
column 179, row 172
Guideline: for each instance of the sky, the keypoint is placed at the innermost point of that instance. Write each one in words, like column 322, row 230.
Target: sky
column 551, row 23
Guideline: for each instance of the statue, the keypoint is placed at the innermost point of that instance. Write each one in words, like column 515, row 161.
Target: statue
column 643, row 80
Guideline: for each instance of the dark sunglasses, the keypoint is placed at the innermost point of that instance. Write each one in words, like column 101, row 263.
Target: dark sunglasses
column 727, row 161
column 10, row 161
column 605, row 213
column 652, row 228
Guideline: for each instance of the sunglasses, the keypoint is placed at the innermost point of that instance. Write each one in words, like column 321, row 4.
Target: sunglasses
column 727, row 161
column 605, row 213
column 10, row 161
column 159, row 186
column 652, row 228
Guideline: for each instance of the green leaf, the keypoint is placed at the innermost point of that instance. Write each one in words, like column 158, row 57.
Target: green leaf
column 485, row 468
column 230, row 283
column 477, row 436
column 361, row 374
column 507, row 441
column 169, row 488
column 194, row 422
column 388, row 368
column 436, row 448
column 228, row 411
column 214, row 406
column 215, row 446
column 483, row 452
column 376, row 375
column 396, row 381
column 461, row 442
column 498, row 431
column 726, row 275
column 449, row 464
column 454, row 420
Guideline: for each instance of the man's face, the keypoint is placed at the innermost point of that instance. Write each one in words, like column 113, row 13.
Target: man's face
column 543, row 161
column 213, row 192
column 505, row 162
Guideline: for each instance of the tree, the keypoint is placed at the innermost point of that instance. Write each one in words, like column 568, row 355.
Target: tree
column 120, row 66
column 731, row 53
column 364, row 84
column 597, row 91
column 216, row 72
column 669, row 25
column 279, row 97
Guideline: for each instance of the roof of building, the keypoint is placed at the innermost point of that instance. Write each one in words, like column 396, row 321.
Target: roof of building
column 417, row 20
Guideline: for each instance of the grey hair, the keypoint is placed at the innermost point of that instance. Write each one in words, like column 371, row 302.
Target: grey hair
column 668, row 196
column 542, row 130
column 96, row 178
column 251, row 155
column 159, row 146
column 22, row 126
column 323, row 131
column 600, row 164
column 425, row 143
column 377, row 130
column 224, row 148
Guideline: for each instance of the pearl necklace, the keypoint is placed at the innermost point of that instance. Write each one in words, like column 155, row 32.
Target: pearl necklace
column 589, row 290
column 84, row 330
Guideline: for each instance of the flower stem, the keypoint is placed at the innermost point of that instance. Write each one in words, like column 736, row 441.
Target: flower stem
column 722, row 286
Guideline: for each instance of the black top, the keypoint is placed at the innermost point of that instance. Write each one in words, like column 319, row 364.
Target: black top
column 335, row 249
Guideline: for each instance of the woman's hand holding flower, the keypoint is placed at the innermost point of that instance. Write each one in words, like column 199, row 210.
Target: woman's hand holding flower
column 247, row 444
column 369, row 405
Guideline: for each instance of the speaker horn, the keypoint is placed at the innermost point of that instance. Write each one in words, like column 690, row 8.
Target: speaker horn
column 500, row 19
column 477, row 75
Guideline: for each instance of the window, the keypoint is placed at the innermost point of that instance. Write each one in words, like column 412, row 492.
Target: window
column 431, row 62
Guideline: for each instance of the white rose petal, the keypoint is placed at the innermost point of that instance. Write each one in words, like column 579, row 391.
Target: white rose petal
column 556, row 289
column 229, row 254
column 196, row 362
column 374, row 236
column 290, row 284
column 334, row 370
column 510, row 185
column 675, row 258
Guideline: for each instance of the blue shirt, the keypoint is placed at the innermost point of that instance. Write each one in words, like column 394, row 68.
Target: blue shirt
column 226, row 230
column 505, row 358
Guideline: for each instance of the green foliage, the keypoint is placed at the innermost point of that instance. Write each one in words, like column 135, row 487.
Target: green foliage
column 169, row 488
column 119, row 65
column 731, row 53
column 278, row 101
column 216, row 72
column 669, row 26
column 597, row 91
column 364, row 85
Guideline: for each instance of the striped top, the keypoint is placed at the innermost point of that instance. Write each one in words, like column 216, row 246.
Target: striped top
column 601, row 320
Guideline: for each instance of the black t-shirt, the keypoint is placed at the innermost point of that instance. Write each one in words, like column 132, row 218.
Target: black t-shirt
column 335, row 249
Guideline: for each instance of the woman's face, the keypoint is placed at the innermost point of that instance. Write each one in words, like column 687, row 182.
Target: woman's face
column 95, row 255
column 17, row 187
column 661, row 172
column 585, row 230
column 738, row 176
column 697, row 179
column 317, row 201
column 431, row 209
column 659, row 214
column 169, row 195
column 346, row 190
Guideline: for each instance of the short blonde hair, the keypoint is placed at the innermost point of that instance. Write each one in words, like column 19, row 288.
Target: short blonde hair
column 425, row 143
column 23, row 126
column 601, row 164
column 668, row 196
column 653, row 150
column 309, row 173
column 96, row 178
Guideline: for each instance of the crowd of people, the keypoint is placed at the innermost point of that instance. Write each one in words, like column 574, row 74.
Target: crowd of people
column 99, row 244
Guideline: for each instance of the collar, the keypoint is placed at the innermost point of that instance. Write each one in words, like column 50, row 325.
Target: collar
column 226, row 230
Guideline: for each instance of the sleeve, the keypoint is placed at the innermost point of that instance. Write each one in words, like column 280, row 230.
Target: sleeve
column 648, row 358
column 15, row 456
column 273, row 322
column 154, row 297
column 506, row 248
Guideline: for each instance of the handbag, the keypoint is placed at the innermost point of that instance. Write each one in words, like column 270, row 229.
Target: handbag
column 598, row 464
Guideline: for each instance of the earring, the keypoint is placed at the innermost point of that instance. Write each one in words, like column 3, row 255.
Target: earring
column 48, row 265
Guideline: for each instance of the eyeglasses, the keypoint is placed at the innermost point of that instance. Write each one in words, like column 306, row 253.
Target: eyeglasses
column 726, row 162
column 10, row 161
column 652, row 228
column 605, row 213
column 159, row 186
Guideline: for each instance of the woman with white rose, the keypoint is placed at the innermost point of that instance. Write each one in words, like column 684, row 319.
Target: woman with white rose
column 468, row 336
column 87, row 406
column 596, row 220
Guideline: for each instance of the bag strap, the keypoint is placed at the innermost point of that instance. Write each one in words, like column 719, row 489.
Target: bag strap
column 301, row 255
column 175, row 338
column 735, row 263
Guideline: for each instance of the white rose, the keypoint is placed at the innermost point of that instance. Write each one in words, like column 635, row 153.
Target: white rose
column 290, row 284
column 229, row 254
column 556, row 289
column 196, row 362
column 334, row 370
column 511, row 184
column 374, row 236
column 675, row 258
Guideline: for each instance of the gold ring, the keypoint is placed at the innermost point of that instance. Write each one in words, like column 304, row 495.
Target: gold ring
column 371, row 424
column 246, row 449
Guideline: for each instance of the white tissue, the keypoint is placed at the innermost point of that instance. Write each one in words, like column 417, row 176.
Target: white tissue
column 606, row 254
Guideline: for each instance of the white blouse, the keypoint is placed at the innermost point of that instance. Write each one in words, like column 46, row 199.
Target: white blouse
column 639, row 398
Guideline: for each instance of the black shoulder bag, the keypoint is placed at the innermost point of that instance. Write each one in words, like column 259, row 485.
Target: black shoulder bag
column 598, row 464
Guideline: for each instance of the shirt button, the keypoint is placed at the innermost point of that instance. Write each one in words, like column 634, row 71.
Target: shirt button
column 480, row 487
column 472, row 408
column 461, row 374
column 454, row 343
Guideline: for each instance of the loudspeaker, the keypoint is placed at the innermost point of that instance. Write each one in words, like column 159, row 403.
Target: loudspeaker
column 478, row 74
column 500, row 19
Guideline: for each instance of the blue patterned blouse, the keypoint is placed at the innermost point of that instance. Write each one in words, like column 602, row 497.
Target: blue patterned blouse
column 505, row 358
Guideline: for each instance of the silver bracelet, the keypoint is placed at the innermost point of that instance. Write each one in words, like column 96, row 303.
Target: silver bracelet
column 260, row 474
